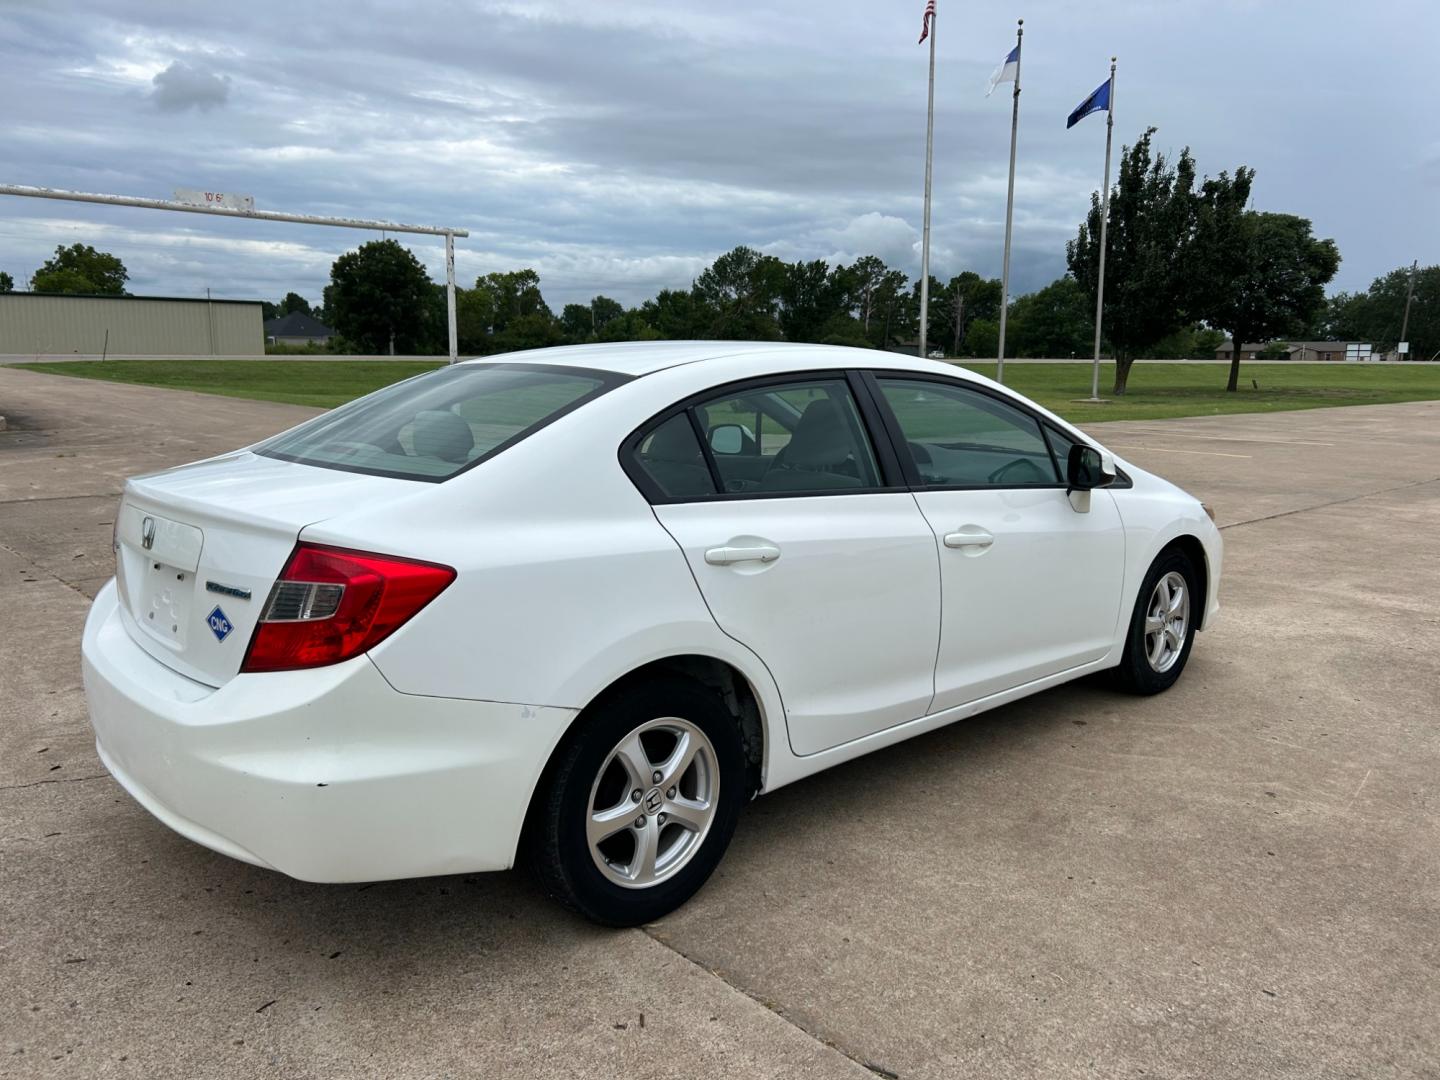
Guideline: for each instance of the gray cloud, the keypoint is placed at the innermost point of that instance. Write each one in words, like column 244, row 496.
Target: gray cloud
column 181, row 87
column 619, row 147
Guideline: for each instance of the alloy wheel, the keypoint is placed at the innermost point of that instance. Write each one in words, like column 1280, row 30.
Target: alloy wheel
column 1167, row 619
column 652, row 802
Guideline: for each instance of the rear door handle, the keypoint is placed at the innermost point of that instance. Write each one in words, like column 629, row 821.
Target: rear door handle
column 971, row 536
column 727, row 556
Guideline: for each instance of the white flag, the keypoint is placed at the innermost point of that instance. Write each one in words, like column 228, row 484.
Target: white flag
column 1006, row 71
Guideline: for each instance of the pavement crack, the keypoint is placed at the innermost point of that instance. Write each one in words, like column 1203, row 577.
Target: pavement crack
column 62, row 498
column 56, row 780
column 1332, row 502
column 770, row 1007
column 38, row 569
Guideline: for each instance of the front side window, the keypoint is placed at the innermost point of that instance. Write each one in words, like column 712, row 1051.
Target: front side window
column 960, row 437
column 441, row 423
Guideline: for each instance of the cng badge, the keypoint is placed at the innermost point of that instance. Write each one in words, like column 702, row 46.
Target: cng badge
column 219, row 625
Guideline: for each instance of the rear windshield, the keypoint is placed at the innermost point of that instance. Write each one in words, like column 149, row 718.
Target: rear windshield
column 441, row 423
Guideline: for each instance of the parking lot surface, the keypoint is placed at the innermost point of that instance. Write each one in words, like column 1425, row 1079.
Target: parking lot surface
column 1238, row 878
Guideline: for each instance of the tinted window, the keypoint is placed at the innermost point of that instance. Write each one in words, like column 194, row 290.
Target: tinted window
column 792, row 437
column 961, row 437
column 1060, row 445
column 436, row 425
column 672, row 458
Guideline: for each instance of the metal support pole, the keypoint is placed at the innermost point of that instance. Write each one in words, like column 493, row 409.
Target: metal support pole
column 1409, row 295
column 1010, row 207
column 1104, row 226
column 224, row 211
column 450, row 294
column 925, row 231
column 266, row 215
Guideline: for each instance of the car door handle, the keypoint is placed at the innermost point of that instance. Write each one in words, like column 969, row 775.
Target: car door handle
column 728, row 555
column 969, row 537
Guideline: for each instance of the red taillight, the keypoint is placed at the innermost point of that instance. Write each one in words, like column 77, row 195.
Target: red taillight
column 330, row 604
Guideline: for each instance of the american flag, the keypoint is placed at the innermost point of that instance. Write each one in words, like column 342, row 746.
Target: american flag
column 925, row 25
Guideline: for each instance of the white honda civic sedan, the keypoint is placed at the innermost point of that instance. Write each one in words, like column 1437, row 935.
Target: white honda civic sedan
column 579, row 605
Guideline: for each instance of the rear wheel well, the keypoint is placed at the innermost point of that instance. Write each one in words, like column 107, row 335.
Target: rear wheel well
column 1192, row 549
column 727, row 683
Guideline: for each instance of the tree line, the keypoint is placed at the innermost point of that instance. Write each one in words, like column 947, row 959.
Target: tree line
column 381, row 294
column 1188, row 264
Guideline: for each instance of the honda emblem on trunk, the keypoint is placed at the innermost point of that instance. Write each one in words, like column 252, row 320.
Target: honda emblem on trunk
column 147, row 533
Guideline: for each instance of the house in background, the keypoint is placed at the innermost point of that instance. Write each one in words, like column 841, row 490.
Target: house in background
column 297, row 328
column 1297, row 350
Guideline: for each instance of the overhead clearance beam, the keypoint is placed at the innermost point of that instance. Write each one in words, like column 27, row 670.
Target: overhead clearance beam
column 267, row 215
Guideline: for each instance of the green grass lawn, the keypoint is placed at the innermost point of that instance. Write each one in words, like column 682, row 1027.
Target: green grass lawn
column 323, row 384
column 1156, row 391
column 1159, row 391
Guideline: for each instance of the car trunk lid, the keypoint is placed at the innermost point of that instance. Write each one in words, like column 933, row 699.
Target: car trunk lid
column 198, row 548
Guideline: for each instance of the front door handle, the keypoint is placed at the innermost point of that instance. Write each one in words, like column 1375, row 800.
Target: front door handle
column 729, row 555
column 971, row 536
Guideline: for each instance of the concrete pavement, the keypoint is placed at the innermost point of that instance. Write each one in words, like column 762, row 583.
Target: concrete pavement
column 1238, row 878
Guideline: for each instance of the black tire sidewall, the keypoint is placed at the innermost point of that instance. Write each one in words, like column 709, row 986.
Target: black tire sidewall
column 599, row 729
column 1135, row 672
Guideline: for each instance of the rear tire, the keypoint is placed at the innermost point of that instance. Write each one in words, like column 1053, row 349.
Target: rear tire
column 622, row 860
column 1162, row 626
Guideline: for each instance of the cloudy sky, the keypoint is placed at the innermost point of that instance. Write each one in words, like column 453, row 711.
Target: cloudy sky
column 618, row 146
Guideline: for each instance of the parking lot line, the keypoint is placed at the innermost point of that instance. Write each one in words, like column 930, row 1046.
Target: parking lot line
column 1167, row 450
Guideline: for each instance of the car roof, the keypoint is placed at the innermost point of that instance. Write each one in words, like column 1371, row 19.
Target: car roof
column 637, row 358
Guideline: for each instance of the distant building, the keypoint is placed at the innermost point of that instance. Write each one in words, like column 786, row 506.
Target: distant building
column 297, row 328
column 58, row 324
column 1296, row 350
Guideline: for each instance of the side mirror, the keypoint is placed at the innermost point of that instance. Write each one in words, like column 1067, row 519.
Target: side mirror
column 1089, row 468
column 727, row 439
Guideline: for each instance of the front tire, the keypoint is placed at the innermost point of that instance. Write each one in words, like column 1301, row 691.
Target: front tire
column 1162, row 626
column 640, row 803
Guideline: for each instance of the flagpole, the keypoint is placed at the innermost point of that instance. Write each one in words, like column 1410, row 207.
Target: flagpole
column 925, row 232
column 1104, row 226
column 1009, row 206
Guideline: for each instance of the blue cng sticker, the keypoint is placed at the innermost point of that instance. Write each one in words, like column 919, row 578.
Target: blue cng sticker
column 219, row 624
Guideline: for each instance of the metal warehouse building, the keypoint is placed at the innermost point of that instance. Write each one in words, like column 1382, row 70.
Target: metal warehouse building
column 48, row 324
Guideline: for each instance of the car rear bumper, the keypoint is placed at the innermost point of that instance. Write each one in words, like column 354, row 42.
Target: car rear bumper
column 326, row 775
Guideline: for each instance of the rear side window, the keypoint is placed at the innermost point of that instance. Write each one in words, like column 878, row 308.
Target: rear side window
column 672, row 458
column 960, row 437
column 439, row 424
column 795, row 437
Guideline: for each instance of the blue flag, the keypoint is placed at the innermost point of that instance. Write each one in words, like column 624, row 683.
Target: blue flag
column 1099, row 101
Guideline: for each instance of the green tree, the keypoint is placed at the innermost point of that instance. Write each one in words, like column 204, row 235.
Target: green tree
column 604, row 311
column 576, row 322
column 1152, row 218
column 378, row 297
column 863, row 284
column 897, row 314
column 1057, row 321
column 1376, row 315
column 956, row 305
column 742, row 290
column 474, row 314
column 677, row 315
column 80, row 269
column 7, row 283
column 512, row 295
column 1272, row 283
column 809, row 296
column 294, row 302
column 628, row 326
